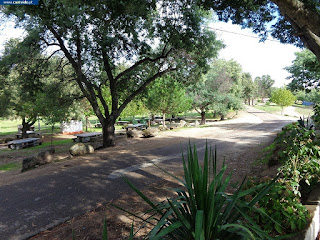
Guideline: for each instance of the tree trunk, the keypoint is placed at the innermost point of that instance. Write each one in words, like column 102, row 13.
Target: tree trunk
column 305, row 22
column 252, row 99
column 25, row 127
column 108, row 134
column 203, row 118
column 249, row 101
column 222, row 117
column 87, row 120
column 214, row 114
column 164, row 119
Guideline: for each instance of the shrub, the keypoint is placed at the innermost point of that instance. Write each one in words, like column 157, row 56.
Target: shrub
column 202, row 209
column 297, row 149
column 283, row 206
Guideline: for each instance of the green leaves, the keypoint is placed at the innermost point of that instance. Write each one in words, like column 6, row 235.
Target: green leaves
column 201, row 209
column 283, row 97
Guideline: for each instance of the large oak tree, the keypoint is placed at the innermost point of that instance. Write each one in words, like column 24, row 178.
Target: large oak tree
column 151, row 37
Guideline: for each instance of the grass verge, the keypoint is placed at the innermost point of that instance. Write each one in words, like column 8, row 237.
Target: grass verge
column 10, row 166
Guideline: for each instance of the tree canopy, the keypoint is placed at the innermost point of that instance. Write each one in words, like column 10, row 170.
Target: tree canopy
column 217, row 89
column 282, row 97
column 305, row 71
column 167, row 96
column 290, row 21
column 264, row 85
column 30, row 82
column 96, row 37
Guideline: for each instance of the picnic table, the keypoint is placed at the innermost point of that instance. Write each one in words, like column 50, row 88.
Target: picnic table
column 122, row 122
column 23, row 143
column 138, row 126
column 31, row 134
column 85, row 137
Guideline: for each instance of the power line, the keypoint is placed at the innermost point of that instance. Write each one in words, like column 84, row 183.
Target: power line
column 241, row 34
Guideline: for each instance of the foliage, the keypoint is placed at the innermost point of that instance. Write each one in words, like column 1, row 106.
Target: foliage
column 34, row 82
column 166, row 95
column 249, row 87
column 283, row 206
column 121, row 45
column 202, row 209
column 316, row 116
column 305, row 71
column 282, row 97
column 134, row 108
column 264, row 85
column 298, row 151
column 218, row 89
column 313, row 96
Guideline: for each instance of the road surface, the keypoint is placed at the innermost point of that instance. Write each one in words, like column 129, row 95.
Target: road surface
column 36, row 200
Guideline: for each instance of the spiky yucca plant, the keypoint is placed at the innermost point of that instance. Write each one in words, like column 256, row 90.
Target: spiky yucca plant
column 203, row 210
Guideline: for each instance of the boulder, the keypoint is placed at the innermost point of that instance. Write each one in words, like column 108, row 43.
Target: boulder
column 196, row 123
column 149, row 132
column 79, row 149
column 163, row 128
column 96, row 142
column 132, row 133
column 183, row 123
column 41, row 158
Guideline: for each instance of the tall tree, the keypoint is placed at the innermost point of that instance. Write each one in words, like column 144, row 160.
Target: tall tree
column 264, row 85
column 26, row 75
column 290, row 21
column 249, row 87
column 167, row 96
column 222, row 79
column 202, row 98
column 305, row 71
column 152, row 37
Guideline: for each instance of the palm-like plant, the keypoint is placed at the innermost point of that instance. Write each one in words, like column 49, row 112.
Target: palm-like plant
column 202, row 210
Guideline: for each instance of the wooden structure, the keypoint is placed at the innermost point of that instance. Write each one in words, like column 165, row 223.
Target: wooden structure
column 30, row 134
column 85, row 137
column 23, row 143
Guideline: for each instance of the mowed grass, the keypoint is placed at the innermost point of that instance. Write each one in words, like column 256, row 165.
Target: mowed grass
column 303, row 110
column 269, row 108
column 10, row 126
column 300, row 109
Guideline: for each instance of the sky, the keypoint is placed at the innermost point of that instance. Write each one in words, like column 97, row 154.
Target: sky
column 257, row 58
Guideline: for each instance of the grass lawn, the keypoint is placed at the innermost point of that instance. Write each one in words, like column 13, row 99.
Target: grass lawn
column 8, row 126
column 269, row 108
column 300, row 109
column 303, row 110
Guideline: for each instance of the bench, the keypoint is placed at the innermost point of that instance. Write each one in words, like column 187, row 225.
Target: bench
column 24, row 143
column 85, row 137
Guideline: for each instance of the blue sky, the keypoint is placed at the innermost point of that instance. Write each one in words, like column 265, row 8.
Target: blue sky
column 257, row 58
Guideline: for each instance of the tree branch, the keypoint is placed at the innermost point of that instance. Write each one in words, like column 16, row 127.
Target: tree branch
column 142, row 61
column 141, row 88
column 81, row 78
column 112, row 81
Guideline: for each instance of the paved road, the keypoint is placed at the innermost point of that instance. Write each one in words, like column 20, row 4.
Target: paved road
column 44, row 200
